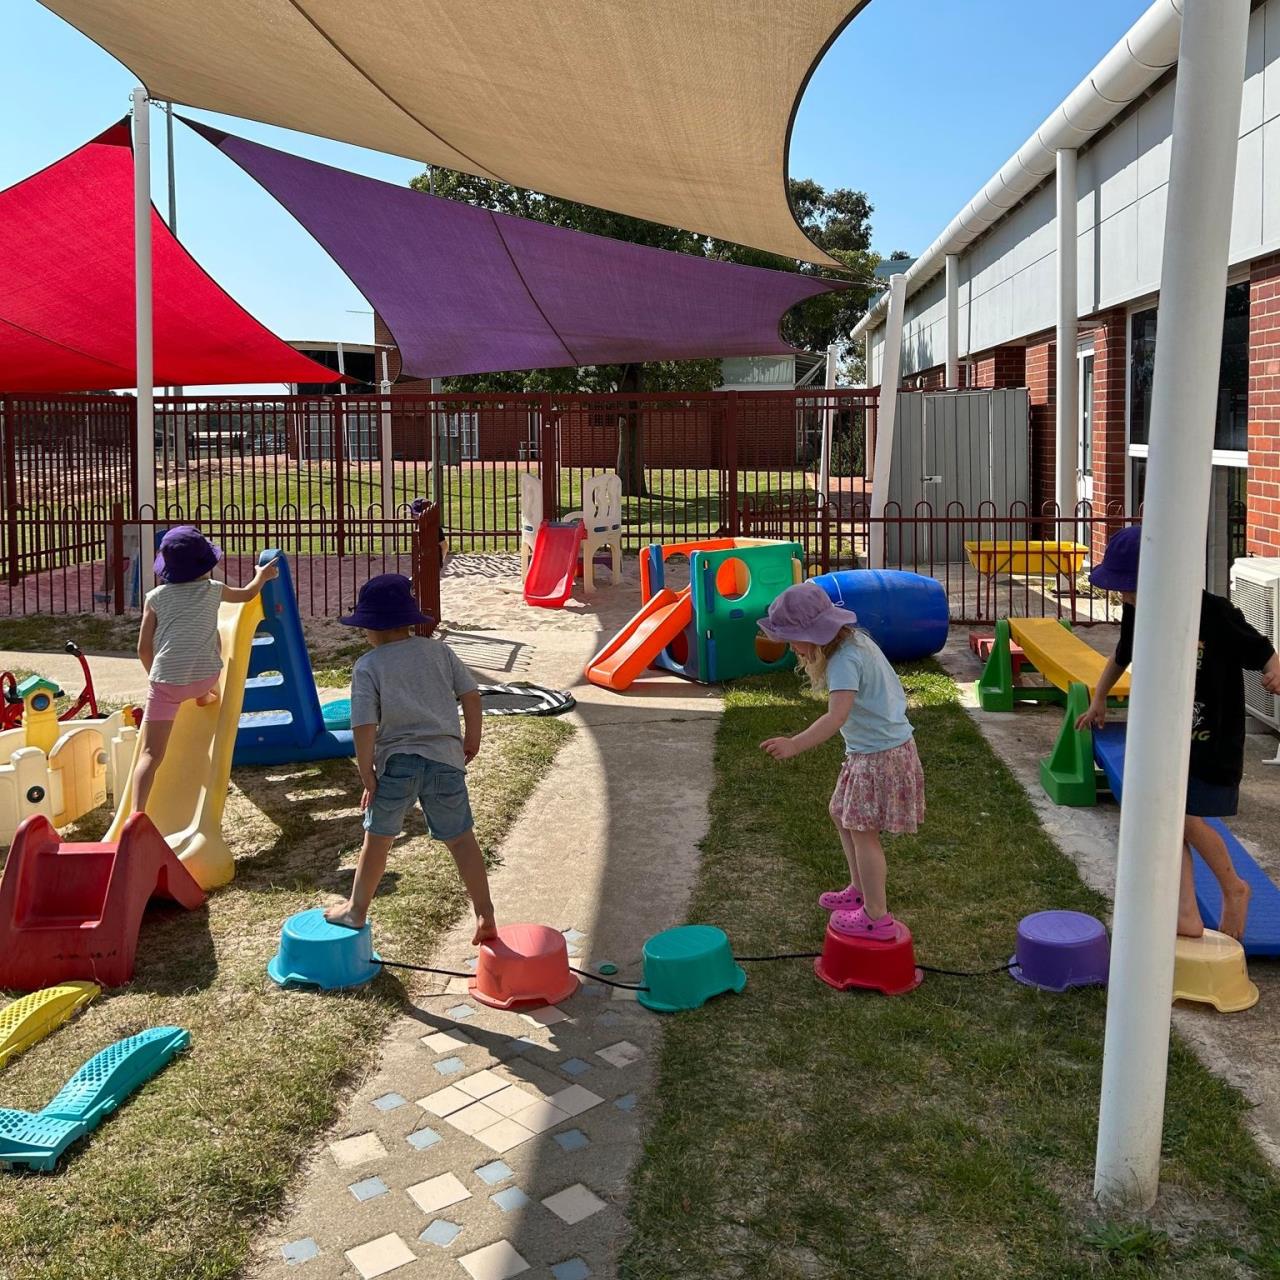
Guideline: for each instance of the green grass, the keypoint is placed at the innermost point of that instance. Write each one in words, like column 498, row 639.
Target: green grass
column 93, row 632
column 179, row 1180
column 803, row 1132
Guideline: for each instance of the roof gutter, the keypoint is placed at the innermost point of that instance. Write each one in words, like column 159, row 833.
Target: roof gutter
column 1146, row 51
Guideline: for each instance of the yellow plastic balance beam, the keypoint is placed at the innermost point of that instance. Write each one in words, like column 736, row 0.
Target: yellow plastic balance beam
column 1061, row 656
column 33, row 1017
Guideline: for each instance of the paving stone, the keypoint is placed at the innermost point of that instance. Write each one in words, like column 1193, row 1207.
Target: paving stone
column 494, row 1172
column 377, row 1257
column 540, row 1117
column 575, row 1067
column 300, row 1250
column 441, row 1232
column 473, row 1118
column 594, row 989
column 545, row 1017
column 510, row 1199
column 445, row 1101
column 508, row 1101
column 421, row 1139
column 482, row 1083
column 623, row 993
column 572, row 935
column 574, row 1204
column 444, row 1042
column 458, row 987
column 575, row 1100
column 497, row 1261
column 389, row 1102
column 438, row 1193
column 608, row 1019
column 368, row 1189
column 570, row 1269
column 626, row 1103
column 450, row 1066
column 504, row 1135
column 472, row 964
column 572, row 1140
column 357, row 1150
column 461, row 1012
column 622, row 1054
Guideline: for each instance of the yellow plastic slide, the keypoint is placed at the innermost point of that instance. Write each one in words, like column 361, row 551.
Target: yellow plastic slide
column 191, row 786
column 1061, row 656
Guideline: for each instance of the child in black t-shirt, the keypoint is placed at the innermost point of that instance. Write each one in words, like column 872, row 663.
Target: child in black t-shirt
column 1228, row 647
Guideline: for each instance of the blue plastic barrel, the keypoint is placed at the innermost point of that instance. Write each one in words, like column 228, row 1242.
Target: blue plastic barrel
column 905, row 613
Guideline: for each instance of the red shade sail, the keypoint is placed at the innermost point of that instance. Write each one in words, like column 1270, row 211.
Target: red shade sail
column 66, row 290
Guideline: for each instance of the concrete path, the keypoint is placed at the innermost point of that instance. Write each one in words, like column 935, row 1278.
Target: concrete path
column 489, row 1143
column 1241, row 1048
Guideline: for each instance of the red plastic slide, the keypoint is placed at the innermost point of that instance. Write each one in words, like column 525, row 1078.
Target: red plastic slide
column 630, row 653
column 74, row 910
column 554, row 565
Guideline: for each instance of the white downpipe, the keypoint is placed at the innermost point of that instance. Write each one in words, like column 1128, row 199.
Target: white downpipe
column 868, row 420
column 828, row 423
column 1067, row 412
column 887, row 412
column 953, row 320
column 1206, row 126
column 385, row 445
column 143, row 351
column 179, row 420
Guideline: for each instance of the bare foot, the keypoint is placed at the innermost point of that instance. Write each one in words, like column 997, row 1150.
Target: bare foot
column 1235, row 909
column 1190, row 926
column 207, row 699
column 345, row 916
column 486, row 930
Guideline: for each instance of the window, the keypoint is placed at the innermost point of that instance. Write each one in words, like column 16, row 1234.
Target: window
column 1086, row 413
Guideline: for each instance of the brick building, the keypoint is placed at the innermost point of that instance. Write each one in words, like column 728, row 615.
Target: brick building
column 993, row 270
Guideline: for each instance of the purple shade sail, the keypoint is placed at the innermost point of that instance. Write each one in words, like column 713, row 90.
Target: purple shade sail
column 465, row 290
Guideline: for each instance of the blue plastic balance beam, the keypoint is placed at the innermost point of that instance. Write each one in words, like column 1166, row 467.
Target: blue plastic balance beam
column 1262, row 929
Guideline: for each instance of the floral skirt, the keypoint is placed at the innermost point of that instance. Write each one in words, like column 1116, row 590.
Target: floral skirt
column 883, row 791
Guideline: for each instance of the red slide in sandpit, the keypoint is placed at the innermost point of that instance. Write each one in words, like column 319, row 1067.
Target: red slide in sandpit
column 555, row 564
column 74, row 910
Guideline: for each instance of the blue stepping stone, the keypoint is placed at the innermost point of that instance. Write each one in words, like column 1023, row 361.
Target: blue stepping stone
column 368, row 1189
column 448, row 1066
column 300, row 1250
column 571, row 1269
column 494, row 1172
column 388, row 1102
column 575, row 1067
column 423, row 1138
column 626, row 1103
column 573, row 935
column 441, row 1232
column 594, row 989
column 510, row 1199
column 572, row 1140
column 461, row 1012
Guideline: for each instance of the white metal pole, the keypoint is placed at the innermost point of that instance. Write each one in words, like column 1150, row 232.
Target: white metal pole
column 1206, row 128
column 869, row 421
column 953, row 320
column 1067, row 420
column 388, row 462
column 828, row 423
column 886, row 417
column 179, row 419
column 143, row 353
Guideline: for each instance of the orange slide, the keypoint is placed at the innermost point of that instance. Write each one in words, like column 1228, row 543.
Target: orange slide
column 554, row 565
column 661, row 618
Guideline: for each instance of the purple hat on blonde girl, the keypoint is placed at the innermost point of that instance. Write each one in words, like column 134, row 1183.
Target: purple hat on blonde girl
column 805, row 613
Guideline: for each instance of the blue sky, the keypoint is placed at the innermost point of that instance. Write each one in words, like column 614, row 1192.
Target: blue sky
column 917, row 104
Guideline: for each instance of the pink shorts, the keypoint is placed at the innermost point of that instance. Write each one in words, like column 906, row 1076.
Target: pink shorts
column 164, row 699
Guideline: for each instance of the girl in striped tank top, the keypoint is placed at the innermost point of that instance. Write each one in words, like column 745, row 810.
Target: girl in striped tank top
column 178, row 643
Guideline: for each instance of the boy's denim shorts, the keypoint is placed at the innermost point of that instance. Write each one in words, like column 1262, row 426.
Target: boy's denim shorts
column 439, row 788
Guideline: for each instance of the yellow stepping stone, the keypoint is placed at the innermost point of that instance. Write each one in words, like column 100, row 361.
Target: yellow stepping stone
column 1211, row 970
column 33, row 1017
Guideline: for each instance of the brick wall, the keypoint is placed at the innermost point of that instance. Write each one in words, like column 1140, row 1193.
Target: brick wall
column 1000, row 367
column 1264, row 408
column 1110, row 374
column 1041, row 380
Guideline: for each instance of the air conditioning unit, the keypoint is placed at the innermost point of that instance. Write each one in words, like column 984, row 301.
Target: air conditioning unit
column 1255, row 591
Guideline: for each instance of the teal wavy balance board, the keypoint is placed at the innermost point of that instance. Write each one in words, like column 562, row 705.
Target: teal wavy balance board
column 97, row 1089
column 1262, row 928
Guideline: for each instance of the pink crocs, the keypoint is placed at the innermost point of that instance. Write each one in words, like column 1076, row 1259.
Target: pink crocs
column 856, row 924
column 848, row 899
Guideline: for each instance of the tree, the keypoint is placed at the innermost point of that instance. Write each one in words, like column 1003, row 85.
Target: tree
column 837, row 221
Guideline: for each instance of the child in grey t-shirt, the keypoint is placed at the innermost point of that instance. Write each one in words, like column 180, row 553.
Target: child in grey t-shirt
column 405, row 694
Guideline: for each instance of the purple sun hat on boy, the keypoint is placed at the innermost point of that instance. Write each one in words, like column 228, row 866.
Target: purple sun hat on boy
column 1118, row 569
column 386, row 603
column 185, row 555
column 806, row 613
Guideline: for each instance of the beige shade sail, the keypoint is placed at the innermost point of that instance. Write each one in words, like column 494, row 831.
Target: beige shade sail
column 677, row 111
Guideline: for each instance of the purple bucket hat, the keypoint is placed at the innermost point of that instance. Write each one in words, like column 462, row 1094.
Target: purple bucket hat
column 1118, row 570
column 386, row 603
column 185, row 555
column 805, row 613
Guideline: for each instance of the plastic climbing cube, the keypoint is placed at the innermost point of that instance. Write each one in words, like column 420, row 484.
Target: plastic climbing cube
column 732, row 583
